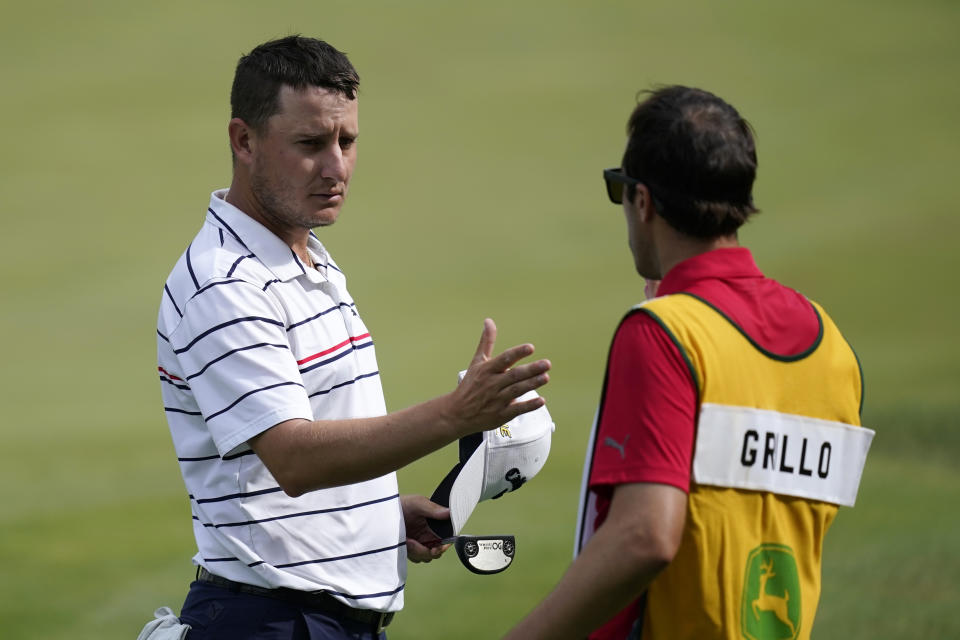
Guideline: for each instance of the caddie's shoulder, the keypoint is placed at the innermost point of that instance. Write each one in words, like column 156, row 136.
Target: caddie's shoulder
column 669, row 301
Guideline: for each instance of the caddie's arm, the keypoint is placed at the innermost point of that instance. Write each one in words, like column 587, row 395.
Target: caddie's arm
column 305, row 455
column 637, row 541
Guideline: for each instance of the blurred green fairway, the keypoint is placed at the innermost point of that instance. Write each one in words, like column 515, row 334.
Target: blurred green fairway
column 485, row 127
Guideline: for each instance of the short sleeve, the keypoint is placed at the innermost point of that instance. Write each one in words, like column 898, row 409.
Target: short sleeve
column 232, row 347
column 648, row 411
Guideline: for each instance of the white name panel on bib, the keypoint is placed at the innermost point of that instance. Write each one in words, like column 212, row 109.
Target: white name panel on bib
column 762, row 450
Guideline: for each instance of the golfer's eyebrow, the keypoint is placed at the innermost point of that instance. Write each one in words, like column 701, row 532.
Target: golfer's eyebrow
column 313, row 137
column 322, row 139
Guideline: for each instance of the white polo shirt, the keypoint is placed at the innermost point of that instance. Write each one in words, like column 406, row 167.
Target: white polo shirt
column 248, row 337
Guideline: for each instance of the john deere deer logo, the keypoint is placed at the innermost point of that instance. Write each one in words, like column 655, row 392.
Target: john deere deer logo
column 767, row 602
column 770, row 609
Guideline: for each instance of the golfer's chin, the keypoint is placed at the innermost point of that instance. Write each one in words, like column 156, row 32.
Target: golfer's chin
column 325, row 216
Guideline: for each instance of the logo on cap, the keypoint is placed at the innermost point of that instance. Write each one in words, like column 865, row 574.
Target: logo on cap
column 516, row 480
column 505, row 432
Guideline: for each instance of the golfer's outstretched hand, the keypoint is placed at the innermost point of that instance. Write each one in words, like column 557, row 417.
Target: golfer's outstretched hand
column 486, row 398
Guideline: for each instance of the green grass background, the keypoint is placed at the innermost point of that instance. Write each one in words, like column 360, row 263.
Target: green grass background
column 478, row 193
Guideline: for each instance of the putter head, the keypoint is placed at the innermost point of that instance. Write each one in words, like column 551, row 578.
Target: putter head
column 484, row 554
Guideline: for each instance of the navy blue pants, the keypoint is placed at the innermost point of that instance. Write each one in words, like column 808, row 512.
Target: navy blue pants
column 217, row 613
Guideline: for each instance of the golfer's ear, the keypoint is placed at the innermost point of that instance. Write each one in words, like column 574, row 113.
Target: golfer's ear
column 240, row 139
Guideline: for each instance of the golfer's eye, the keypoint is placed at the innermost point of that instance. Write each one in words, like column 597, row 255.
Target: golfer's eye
column 346, row 143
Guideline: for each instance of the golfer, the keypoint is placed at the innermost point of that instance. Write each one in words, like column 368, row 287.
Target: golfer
column 271, row 385
column 728, row 428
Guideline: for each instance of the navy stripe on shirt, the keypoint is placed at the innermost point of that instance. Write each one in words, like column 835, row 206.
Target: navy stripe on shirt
column 204, row 458
column 224, row 326
column 230, row 353
column 184, row 411
column 237, row 262
column 193, row 276
column 297, row 260
column 321, row 314
column 248, row 394
column 182, row 387
column 234, row 496
column 367, row 595
column 248, row 452
column 344, row 384
column 343, row 557
column 174, row 302
column 227, row 227
column 212, row 285
column 300, row 514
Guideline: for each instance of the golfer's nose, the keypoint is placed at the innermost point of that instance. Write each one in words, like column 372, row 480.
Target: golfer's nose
column 336, row 165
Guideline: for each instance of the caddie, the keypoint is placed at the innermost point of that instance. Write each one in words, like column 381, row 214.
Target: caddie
column 728, row 431
column 271, row 385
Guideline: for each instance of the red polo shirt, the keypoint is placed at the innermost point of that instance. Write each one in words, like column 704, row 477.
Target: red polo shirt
column 649, row 408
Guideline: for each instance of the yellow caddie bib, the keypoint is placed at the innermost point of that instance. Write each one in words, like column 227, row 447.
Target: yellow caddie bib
column 778, row 447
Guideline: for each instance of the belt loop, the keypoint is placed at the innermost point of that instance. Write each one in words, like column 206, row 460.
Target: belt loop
column 382, row 621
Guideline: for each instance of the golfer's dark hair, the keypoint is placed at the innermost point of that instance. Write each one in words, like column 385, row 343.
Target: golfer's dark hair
column 697, row 157
column 294, row 61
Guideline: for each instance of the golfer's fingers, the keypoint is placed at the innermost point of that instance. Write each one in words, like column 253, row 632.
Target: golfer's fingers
column 487, row 339
column 417, row 552
column 521, row 387
column 525, row 372
column 510, row 357
column 518, row 408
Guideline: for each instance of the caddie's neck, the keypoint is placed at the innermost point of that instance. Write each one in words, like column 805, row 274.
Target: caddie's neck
column 673, row 247
column 656, row 246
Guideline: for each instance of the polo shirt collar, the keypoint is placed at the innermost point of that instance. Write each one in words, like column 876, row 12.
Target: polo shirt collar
column 724, row 264
column 273, row 252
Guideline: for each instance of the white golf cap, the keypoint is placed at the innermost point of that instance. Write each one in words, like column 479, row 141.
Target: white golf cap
column 493, row 463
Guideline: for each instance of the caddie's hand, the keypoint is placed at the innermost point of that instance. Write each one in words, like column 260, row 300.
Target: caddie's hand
column 423, row 545
column 486, row 397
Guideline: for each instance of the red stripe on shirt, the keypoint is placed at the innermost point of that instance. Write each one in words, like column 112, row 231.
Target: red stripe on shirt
column 333, row 348
column 168, row 374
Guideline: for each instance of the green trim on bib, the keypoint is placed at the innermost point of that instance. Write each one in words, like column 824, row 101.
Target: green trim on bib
column 679, row 345
column 769, row 354
column 862, row 383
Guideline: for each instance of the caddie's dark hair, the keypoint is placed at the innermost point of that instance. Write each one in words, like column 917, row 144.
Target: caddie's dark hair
column 294, row 61
column 697, row 157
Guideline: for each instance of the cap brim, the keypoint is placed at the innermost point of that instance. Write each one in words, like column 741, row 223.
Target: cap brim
column 460, row 491
column 465, row 493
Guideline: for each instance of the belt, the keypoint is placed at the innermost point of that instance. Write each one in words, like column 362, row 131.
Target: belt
column 319, row 600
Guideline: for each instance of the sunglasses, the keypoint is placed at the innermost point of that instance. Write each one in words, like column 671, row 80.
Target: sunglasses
column 616, row 179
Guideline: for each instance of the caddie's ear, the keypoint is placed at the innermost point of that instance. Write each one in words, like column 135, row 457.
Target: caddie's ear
column 240, row 139
column 643, row 203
